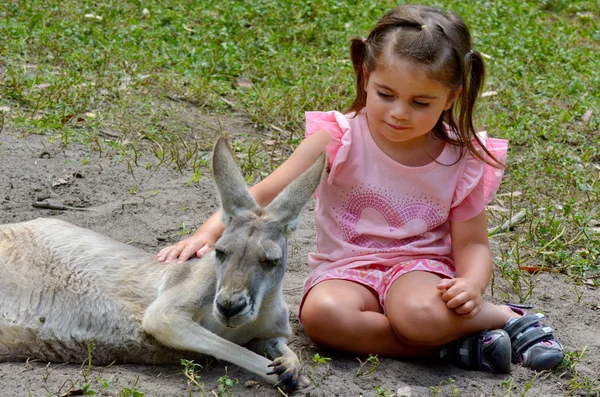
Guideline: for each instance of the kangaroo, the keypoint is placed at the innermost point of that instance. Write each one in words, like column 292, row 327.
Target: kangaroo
column 62, row 287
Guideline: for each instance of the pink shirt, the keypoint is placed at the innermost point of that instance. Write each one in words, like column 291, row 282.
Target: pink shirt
column 371, row 209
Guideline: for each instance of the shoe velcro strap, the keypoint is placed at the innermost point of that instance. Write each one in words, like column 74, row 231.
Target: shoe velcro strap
column 476, row 352
column 467, row 352
column 527, row 339
column 514, row 328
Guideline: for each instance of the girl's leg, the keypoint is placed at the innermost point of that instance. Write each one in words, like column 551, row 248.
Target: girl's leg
column 347, row 316
column 418, row 315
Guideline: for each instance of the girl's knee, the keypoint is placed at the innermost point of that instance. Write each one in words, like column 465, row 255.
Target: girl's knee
column 419, row 321
column 318, row 315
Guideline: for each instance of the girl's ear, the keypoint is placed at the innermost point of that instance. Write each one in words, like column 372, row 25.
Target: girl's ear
column 452, row 97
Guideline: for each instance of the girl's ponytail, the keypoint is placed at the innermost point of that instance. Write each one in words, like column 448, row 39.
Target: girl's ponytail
column 358, row 54
column 474, row 76
column 473, row 83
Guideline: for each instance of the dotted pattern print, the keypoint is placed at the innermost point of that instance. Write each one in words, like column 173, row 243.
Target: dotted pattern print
column 396, row 212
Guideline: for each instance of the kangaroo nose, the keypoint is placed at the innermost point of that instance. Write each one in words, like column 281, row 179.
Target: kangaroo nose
column 231, row 308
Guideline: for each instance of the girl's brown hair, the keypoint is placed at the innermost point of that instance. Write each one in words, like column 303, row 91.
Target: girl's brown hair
column 440, row 43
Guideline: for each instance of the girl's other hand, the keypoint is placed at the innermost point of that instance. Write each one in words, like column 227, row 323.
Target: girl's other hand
column 198, row 244
column 461, row 295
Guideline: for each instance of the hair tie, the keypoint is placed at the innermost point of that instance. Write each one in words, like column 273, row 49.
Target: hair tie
column 471, row 52
column 364, row 40
column 423, row 27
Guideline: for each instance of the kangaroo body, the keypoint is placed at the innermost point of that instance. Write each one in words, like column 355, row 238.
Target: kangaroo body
column 63, row 287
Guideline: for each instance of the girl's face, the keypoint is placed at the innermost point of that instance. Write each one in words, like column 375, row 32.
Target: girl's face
column 403, row 105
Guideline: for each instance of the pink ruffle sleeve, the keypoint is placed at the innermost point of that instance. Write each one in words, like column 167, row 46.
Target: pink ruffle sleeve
column 337, row 125
column 480, row 181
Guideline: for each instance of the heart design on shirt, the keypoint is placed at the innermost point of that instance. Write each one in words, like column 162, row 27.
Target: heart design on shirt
column 372, row 220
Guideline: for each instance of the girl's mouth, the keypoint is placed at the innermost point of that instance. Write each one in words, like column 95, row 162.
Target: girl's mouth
column 397, row 127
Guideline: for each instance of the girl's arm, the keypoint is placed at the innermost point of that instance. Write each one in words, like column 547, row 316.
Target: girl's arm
column 263, row 192
column 473, row 264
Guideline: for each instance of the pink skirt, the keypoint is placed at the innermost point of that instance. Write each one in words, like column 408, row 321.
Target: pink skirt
column 379, row 278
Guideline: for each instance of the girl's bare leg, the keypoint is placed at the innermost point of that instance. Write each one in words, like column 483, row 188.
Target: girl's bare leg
column 344, row 315
column 418, row 315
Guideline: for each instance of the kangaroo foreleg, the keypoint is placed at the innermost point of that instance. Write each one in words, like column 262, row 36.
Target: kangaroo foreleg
column 177, row 330
column 285, row 362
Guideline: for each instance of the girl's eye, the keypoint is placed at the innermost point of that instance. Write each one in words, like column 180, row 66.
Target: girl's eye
column 384, row 95
column 421, row 104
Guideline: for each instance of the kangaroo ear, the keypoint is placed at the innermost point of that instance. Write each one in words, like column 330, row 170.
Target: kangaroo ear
column 236, row 200
column 286, row 208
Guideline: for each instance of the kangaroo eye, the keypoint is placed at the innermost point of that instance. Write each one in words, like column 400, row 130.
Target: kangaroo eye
column 221, row 256
column 271, row 262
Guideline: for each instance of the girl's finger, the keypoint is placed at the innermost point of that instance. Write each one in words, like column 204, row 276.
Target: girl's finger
column 185, row 254
column 457, row 301
column 162, row 254
column 206, row 248
column 465, row 308
column 451, row 293
column 445, row 283
column 174, row 254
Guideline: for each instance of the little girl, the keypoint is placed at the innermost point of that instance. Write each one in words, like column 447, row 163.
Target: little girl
column 402, row 254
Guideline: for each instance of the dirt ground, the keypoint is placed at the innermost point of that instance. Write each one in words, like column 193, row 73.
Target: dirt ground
column 33, row 169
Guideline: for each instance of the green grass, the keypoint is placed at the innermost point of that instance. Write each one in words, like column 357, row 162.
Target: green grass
column 137, row 84
column 78, row 71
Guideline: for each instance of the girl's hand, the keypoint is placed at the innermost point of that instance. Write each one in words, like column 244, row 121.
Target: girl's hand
column 461, row 295
column 198, row 244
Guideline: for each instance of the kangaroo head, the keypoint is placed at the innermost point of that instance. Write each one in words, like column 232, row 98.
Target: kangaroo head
column 251, row 255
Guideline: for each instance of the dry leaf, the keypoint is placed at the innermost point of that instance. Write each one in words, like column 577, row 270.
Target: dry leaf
column 537, row 269
column 489, row 93
column 587, row 116
column 93, row 16
column 514, row 194
column 498, row 208
column 188, row 29
column 242, row 83
column 60, row 181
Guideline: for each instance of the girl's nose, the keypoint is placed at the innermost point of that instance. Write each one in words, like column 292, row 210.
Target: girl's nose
column 400, row 112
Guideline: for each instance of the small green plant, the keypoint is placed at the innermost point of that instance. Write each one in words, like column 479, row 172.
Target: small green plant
column 319, row 366
column 86, row 366
column 318, row 360
column 571, row 359
column 506, row 387
column 373, row 363
column 583, row 386
column 452, row 392
column 381, row 391
column 191, row 370
column 105, row 383
column 195, row 178
column 225, row 385
column 86, row 390
column 133, row 392
column 184, row 229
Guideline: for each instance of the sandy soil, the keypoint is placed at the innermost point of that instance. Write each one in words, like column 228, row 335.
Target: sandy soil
column 151, row 221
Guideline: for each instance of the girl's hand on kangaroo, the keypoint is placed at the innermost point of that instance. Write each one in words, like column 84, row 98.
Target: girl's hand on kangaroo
column 197, row 245
column 461, row 295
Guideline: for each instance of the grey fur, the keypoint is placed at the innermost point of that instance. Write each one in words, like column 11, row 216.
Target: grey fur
column 62, row 286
